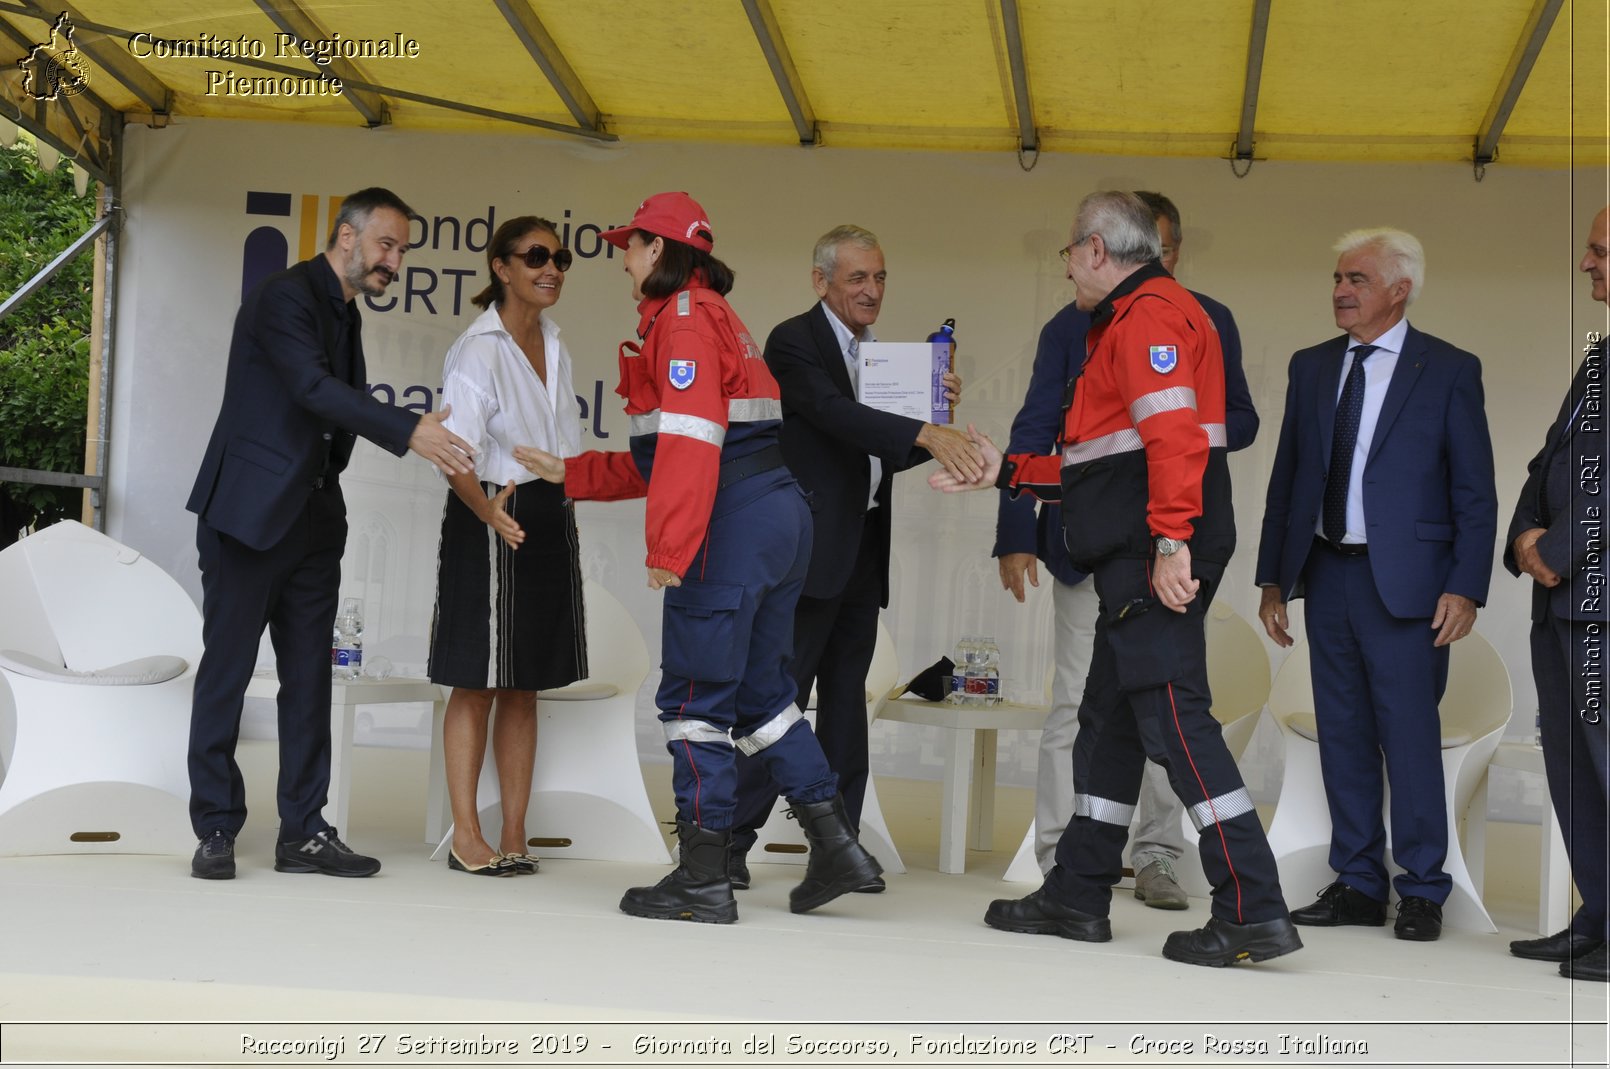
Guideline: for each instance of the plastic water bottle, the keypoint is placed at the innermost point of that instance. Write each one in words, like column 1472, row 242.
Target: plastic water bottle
column 991, row 671
column 940, row 405
column 346, row 652
column 958, row 672
column 977, row 684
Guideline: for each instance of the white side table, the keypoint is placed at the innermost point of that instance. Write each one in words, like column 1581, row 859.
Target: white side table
column 967, row 815
column 345, row 697
column 1554, row 871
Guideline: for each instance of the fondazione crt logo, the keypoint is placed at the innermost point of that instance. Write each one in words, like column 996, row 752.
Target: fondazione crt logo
column 54, row 69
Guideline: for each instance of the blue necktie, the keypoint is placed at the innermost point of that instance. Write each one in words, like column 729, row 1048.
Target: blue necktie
column 1349, row 409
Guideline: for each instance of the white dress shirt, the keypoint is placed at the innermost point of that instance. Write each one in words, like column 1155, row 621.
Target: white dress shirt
column 1378, row 368
column 842, row 333
column 498, row 402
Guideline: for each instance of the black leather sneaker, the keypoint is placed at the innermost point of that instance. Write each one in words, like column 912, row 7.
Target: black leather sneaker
column 1220, row 943
column 1340, row 904
column 1419, row 919
column 1594, row 965
column 1038, row 914
column 215, row 857
column 326, row 853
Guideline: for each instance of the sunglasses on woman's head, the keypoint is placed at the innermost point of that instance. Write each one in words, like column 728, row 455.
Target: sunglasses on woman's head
column 537, row 257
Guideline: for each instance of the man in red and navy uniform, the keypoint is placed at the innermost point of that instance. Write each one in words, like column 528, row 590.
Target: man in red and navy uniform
column 1145, row 493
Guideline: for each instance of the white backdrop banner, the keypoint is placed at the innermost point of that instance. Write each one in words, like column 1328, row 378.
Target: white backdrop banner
column 212, row 206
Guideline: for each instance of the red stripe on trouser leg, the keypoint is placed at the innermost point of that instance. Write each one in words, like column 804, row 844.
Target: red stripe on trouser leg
column 1218, row 827
column 687, row 750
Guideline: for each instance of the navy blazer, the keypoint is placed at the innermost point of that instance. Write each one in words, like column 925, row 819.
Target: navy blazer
column 1565, row 495
column 827, row 436
column 1058, row 360
column 1430, row 503
column 294, row 399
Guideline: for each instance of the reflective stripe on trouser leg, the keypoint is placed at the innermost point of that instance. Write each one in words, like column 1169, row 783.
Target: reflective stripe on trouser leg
column 1103, row 809
column 797, row 764
column 1224, row 807
column 769, row 732
column 702, row 774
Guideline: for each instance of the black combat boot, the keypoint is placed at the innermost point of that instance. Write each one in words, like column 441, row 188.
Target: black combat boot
column 697, row 889
column 838, row 863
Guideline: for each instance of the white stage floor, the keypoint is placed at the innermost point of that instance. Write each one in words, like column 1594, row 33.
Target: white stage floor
column 420, row 951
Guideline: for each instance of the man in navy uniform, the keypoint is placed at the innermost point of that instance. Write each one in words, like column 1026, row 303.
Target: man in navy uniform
column 272, row 525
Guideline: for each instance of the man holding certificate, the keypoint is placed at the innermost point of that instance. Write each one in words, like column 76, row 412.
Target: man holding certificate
column 845, row 455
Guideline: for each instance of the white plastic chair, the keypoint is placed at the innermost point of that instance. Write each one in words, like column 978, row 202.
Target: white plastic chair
column 98, row 648
column 780, row 840
column 587, row 794
column 1474, row 709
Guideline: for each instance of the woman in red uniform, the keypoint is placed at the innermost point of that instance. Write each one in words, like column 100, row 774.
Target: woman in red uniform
column 728, row 533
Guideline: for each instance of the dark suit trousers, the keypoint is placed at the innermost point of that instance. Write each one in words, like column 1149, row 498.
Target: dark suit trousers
column 1377, row 681
column 292, row 589
column 833, row 642
column 1575, row 758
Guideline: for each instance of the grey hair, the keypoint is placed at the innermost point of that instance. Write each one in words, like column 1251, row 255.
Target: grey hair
column 1402, row 254
column 357, row 207
column 825, row 257
column 1127, row 226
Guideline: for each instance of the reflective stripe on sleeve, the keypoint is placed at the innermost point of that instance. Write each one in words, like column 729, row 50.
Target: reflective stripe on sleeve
column 770, row 731
column 1218, row 810
column 695, row 731
column 1170, row 400
column 1218, row 437
column 1124, row 441
column 739, row 410
column 686, row 426
column 1103, row 809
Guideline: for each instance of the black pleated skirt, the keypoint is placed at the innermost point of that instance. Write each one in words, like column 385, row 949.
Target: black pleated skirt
column 509, row 618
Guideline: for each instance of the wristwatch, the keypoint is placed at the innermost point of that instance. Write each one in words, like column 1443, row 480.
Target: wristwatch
column 1167, row 547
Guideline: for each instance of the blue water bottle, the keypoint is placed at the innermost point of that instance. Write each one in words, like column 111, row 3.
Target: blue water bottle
column 944, row 342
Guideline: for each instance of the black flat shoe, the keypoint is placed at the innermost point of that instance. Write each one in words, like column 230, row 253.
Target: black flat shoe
column 1340, row 904
column 496, row 867
column 1594, row 965
column 1419, row 919
column 1564, row 945
column 522, row 864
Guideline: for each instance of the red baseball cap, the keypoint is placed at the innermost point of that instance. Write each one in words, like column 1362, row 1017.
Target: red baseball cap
column 670, row 215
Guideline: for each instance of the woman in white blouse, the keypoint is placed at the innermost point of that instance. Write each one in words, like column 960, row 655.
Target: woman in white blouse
column 508, row 619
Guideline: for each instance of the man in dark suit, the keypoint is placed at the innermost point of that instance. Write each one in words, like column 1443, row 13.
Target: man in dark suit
column 1557, row 537
column 1382, row 512
column 272, row 526
column 845, row 455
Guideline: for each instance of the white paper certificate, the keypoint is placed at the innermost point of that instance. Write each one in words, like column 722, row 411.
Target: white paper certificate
column 903, row 378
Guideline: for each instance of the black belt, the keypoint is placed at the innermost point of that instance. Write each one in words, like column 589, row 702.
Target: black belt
column 1343, row 549
column 739, row 468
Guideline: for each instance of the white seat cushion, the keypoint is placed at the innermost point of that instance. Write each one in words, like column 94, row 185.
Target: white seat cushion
column 142, row 671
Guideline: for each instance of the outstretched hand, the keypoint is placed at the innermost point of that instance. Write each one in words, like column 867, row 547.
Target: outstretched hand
column 989, row 469
column 545, row 466
column 502, row 522
column 450, row 453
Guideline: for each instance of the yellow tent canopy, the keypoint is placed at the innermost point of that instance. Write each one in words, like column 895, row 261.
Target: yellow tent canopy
column 1512, row 81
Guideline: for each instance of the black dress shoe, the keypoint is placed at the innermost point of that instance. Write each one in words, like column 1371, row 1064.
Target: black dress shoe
column 1563, row 945
column 1220, row 943
column 215, row 857
column 1038, row 914
column 1340, row 904
column 324, row 853
column 1419, row 919
column 874, row 886
column 1594, row 965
